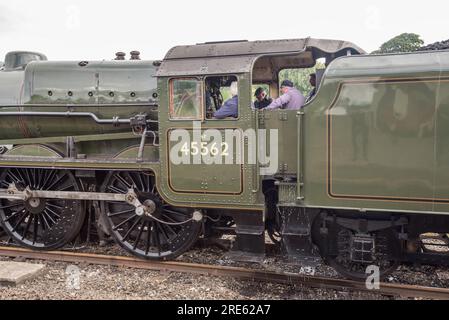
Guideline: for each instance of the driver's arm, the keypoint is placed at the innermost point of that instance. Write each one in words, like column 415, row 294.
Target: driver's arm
column 229, row 109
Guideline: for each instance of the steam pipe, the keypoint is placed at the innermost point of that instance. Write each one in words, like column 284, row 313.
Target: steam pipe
column 115, row 120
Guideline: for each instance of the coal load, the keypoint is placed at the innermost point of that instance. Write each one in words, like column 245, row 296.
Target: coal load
column 443, row 45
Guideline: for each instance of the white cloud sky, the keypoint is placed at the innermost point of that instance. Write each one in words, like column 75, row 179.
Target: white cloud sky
column 90, row 29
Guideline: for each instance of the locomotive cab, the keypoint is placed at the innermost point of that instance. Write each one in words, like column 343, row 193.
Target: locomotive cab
column 195, row 83
column 267, row 73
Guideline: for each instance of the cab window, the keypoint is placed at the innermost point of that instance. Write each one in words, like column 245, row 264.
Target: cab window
column 186, row 99
column 221, row 97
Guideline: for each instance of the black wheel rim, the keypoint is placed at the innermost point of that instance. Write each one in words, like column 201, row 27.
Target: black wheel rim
column 43, row 224
column 142, row 235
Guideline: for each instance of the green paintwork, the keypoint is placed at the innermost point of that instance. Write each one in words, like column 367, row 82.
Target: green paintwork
column 285, row 121
column 34, row 150
column 204, row 179
column 151, row 153
column 209, row 185
column 375, row 136
column 118, row 88
column 100, row 78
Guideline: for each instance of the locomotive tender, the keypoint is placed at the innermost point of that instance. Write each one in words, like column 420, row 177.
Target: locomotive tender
column 361, row 174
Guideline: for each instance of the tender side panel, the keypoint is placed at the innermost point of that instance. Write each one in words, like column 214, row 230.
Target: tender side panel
column 376, row 136
column 380, row 146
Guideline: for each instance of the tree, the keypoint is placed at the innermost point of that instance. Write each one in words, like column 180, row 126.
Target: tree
column 406, row 42
column 300, row 77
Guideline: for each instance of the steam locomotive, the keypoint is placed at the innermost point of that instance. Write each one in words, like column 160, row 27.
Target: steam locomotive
column 357, row 177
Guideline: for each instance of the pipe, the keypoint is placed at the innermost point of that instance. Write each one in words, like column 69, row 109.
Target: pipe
column 115, row 120
column 86, row 105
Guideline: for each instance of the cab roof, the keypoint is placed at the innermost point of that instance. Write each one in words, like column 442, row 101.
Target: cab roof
column 240, row 56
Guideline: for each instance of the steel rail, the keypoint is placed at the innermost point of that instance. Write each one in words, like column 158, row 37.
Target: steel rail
column 409, row 291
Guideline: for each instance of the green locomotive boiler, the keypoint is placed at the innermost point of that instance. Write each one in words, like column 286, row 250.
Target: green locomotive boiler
column 360, row 172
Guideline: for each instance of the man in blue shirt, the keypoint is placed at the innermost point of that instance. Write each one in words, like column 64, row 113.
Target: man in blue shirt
column 230, row 107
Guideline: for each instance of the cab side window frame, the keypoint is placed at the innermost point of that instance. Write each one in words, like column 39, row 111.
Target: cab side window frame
column 224, row 100
column 197, row 99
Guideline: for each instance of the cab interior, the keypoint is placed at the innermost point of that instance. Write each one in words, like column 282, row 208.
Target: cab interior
column 267, row 69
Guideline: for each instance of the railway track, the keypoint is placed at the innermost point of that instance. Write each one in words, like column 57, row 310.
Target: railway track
column 386, row 289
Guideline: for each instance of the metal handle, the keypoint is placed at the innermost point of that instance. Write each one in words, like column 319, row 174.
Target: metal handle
column 300, row 162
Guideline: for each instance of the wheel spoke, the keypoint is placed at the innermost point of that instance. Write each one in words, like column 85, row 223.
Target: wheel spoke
column 158, row 240
column 124, row 222
column 66, row 186
column 128, row 233
column 48, row 178
column 116, row 190
column 30, row 219
column 39, row 179
column 20, row 221
column 14, row 178
column 14, row 214
column 136, row 243
column 4, row 184
column 164, row 233
column 45, row 221
column 169, row 227
column 12, row 205
column 59, row 179
column 35, row 230
column 141, row 183
column 147, row 246
column 41, row 220
column 123, row 181
column 52, row 212
column 110, row 215
column 171, row 218
column 27, row 177
column 133, row 184
column 54, row 206
column 20, row 175
column 46, row 214
column 175, row 215
column 148, row 184
column 33, row 174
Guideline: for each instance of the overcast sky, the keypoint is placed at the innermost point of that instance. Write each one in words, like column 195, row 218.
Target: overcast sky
column 92, row 29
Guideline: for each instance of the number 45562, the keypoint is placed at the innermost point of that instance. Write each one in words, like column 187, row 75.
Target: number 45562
column 205, row 149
